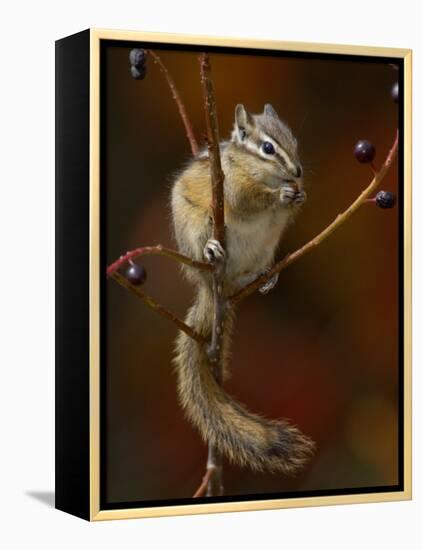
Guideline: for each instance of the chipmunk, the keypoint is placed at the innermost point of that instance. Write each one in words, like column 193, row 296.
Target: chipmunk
column 263, row 187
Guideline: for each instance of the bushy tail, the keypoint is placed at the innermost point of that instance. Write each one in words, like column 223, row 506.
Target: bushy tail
column 246, row 439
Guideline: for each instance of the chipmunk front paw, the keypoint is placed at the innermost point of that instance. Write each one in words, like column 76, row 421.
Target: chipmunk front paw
column 287, row 195
column 214, row 252
column 300, row 197
column 290, row 195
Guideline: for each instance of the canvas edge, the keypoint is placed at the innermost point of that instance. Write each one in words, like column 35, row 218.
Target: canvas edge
column 96, row 514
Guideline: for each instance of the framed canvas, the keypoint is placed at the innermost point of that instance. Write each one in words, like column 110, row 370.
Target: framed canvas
column 233, row 277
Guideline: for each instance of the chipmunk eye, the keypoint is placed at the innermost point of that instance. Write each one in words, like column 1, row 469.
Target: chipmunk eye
column 268, row 148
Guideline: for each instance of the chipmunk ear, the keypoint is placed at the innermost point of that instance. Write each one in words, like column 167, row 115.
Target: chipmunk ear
column 269, row 111
column 244, row 121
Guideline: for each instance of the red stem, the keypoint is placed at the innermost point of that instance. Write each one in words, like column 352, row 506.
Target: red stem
column 217, row 175
column 157, row 250
column 180, row 105
column 202, row 489
column 215, row 358
column 158, row 308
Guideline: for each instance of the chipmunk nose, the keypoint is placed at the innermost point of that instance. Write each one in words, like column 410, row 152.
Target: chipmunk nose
column 299, row 171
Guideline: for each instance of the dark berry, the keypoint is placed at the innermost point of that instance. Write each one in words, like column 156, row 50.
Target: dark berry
column 138, row 73
column 136, row 274
column 137, row 57
column 395, row 92
column 364, row 151
column 385, row 199
column 268, row 148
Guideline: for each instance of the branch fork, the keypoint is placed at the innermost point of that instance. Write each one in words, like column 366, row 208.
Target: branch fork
column 214, row 350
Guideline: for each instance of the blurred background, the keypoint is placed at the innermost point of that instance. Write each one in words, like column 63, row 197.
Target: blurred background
column 322, row 348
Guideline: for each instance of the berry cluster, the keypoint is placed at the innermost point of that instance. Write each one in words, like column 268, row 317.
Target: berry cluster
column 364, row 152
column 137, row 59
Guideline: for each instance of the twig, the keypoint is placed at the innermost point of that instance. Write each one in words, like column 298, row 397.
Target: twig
column 157, row 250
column 217, row 184
column 158, row 308
column 214, row 351
column 215, row 464
column 180, row 105
column 202, row 489
column 313, row 243
column 217, row 175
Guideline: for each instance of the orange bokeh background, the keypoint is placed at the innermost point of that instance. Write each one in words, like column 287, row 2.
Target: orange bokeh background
column 322, row 348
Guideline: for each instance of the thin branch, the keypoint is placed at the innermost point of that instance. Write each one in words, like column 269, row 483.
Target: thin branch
column 157, row 250
column 214, row 350
column 215, row 464
column 217, row 175
column 158, row 308
column 313, row 243
column 202, row 489
column 217, row 185
column 180, row 105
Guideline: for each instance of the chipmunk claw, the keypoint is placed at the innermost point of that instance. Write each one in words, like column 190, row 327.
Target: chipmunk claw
column 287, row 195
column 270, row 284
column 300, row 197
column 290, row 195
column 214, row 252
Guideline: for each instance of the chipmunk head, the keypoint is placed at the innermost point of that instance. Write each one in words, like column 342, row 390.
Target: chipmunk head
column 267, row 138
